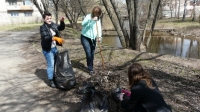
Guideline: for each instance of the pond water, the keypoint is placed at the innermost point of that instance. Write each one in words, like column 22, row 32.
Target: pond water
column 162, row 44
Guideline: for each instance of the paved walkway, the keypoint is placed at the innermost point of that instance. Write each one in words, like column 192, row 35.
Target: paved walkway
column 16, row 91
column 22, row 78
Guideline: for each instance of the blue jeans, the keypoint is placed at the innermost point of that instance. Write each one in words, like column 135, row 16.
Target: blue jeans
column 89, row 47
column 50, row 58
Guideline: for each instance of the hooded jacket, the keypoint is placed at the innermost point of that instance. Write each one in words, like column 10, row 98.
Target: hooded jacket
column 46, row 35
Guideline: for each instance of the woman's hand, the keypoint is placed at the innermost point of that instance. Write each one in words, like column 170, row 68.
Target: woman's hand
column 98, row 39
column 95, row 18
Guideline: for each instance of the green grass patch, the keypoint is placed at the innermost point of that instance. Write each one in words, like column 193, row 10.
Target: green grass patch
column 20, row 27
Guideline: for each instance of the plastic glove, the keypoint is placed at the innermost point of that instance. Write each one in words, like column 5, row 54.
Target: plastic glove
column 121, row 96
column 126, row 92
column 59, row 40
column 95, row 18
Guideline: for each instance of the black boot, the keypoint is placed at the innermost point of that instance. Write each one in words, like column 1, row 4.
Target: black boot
column 52, row 84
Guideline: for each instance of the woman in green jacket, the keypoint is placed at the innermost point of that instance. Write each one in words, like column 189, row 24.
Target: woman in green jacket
column 91, row 32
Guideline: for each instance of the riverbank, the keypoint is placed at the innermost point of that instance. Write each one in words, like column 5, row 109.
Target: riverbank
column 188, row 28
column 178, row 78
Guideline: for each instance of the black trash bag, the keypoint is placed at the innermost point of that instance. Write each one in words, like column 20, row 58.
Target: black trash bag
column 64, row 75
column 116, row 94
column 93, row 100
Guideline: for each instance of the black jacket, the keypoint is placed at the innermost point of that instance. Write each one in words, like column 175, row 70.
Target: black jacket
column 145, row 99
column 46, row 35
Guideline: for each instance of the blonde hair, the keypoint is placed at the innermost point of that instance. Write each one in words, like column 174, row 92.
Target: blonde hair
column 137, row 73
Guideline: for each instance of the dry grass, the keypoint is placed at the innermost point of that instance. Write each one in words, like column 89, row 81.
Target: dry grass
column 176, row 23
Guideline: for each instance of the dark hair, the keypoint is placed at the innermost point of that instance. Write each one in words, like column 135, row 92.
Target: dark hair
column 137, row 73
column 46, row 14
column 96, row 11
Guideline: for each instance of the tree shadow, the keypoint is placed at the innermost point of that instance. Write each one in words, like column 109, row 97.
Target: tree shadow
column 58, row 96
column 77, row 64
column 42, row 74
column 179, row 92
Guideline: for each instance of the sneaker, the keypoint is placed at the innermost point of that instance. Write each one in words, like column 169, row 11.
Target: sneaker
column 52, row 84
column 91, row 73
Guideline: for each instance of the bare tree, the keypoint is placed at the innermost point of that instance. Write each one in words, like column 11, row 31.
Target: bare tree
column 72, row 11
column 147, row 21
column 43, row 7
column 134, row 17
column 179, row 7
column 171, row 7
column 130, row 9
column 154, row 22
column 45, row 4
column 115, row 23
column 175, row 8
column 194, row 10
column 121, row 21
column 184, row 12
column 56, row 4
column 82, row 7
column 136, row 36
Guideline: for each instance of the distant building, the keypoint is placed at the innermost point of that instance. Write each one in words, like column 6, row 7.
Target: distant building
column 18, row 12
column 171, row 9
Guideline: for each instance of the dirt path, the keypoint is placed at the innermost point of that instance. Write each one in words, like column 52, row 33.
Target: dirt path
column 16, row 87
column 21, row 89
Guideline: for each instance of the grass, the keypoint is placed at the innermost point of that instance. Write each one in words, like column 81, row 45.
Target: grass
column 19, row 27
column 23, row 27
column 176, row 23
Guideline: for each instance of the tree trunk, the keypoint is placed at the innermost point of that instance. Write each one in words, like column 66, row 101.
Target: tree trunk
column 175, row 8
column 130, row 9
column 147, row 22
column 55, row 2
column 179, row 7
column 45, row 4
column 184, row 13
column 35, row 2
column 121, row 22
column 171, row 9
column 154, row 22
column 81, row 6
column 136, row 39
column 194, row 11
column 115, row 23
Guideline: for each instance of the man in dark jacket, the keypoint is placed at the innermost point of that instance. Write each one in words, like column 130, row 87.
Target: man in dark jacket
column 50, row 37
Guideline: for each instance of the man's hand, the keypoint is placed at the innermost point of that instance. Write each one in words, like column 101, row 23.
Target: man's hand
column 59, row 40
column 62, row 19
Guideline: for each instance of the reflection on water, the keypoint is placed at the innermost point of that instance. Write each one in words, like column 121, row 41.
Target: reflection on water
column 112, row 40
column 176, row 46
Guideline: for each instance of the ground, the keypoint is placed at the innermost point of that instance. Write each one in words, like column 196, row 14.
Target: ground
column 24, row 83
